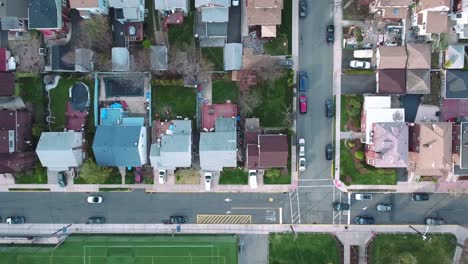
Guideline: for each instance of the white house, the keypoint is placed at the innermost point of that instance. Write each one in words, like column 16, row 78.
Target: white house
column 90, row 7
column 128, row 10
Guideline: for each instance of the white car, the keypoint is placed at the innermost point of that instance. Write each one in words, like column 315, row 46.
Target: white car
column 94, row 199
column 363, row 196
column 253, row 179
column 359, row 64
column 235, row 2
column 301, row 147
column 162, row 176
column 208, row 178
column 302, row 164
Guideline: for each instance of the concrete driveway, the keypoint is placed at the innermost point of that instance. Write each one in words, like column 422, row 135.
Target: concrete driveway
column 358, row 83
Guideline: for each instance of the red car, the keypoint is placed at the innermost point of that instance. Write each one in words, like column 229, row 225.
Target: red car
column 303, row 104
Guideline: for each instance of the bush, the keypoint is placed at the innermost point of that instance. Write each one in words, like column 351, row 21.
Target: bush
column 146, row 44
column 350, row 144
column 91, row 173
column 359, row 155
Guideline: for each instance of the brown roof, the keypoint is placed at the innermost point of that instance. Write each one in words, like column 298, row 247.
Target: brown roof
column 418, row 81
column 395, row 2
column 392, row 81
column 7, row 83
column 427, row 4
column 251, row 137
column 271, row 151
column 437, row 22
column 19, row 122
column 18, row 161
column 419, row 56
column 392, row 57
column 264, row 12
column 252, row 156
column 84, row 3
column 266, row 3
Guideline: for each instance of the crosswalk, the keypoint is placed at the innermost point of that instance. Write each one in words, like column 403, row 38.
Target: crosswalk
column 224, row 219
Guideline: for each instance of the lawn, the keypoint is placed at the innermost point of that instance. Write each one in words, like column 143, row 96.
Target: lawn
column 365, row 174
column 215, row 56
column 224, row 90
column 275, row 97
column 276, row 46
column 182, row 35
column 305, row 249
column 179, row 100
column 351, row 107
column 37, row 175
column 410, row 248
column 277, row 176
column 233, row 176
column 31, row 90
column 187, row 177
column 118, row 249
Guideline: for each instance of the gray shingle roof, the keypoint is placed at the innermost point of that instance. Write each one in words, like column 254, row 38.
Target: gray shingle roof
column 456, row 84
column 215, row 14
column 219, row 149
column 232, row 56
column 44, row 14
column 158, row 58
column 60, row 150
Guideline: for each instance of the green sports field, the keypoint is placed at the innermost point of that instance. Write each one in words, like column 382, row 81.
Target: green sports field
column 121, row 249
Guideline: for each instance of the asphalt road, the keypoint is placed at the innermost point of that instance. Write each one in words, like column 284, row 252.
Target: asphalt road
column 141, row 207
column 234, row 24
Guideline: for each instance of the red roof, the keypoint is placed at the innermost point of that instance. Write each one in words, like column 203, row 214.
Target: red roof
column 7, row 83
column 3, row 60
column 271, row 152
column 75, row 120
column 392, row 81
column 18, row 161
column 213, row 111
column 19, row 122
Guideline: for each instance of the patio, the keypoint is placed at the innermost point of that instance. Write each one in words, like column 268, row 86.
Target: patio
column 213, row 111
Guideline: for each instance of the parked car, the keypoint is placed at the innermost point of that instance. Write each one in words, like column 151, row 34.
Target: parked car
column 62, row 179
column 178, row 219
column 364, row 220
column 363, row 196
column 434, row 221
column 285, row 63
column 95, row 199
column 303, row 81
column 253, row 179
column 303, row 104
column 302, row 164
column 419, row 196
column 329, row 152
column 330, row 34
column 302, row 8
column 14, row 220
column 383, row 207
column 301, row 147
column 235, row 2
column 162, row 177
column 355, row 64
column 208, row 178
column 96, row 220
column 329, row 108
column 340, row 206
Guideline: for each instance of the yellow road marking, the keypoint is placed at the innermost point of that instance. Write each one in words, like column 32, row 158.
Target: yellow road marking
column 224, row 219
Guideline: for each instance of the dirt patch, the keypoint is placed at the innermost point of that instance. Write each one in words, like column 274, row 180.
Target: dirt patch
column 27, row 52
column 187, row 177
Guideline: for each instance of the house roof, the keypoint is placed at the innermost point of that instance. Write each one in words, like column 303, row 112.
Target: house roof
column 119, row 146
column 84, row 3
column 392, row 57
column 84, row 60
column 7, row 83
column 392, row 81
column 219, row 149
column 379, row 115
column 263, row 16
column 232, row 56
column 428, row 4
column 456, row 84
column 201, row 3
column 45, row 14
column 18, row 161
column 390, row 142
column 373, row 102
column 273, row 151
column 14, row 8
column 211, row 112
column 418, row 81
column 120, row 59
column 60, row 150
column 124, row 3
column 3, row 59
column 437, row 22
column 62, row 58
column 15, row 131
column 464, row 146
column 215, row 14
column 266, row 3
column 419, row 56
column 170, row 4
column 395, row 2
column 9, row 23
column 455, row 54
column 158, row 58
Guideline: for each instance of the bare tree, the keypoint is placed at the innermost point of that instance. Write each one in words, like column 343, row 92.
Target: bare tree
column 288, row 116
column 248, row 101
column 96, row 34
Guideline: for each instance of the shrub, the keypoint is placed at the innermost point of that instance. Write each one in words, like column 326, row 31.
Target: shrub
column 350, row 144
column 146, row 44
column 359, row 155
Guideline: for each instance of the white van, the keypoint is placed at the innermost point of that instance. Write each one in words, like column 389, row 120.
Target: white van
column 363, row 54
column 208, row 178
column 253, row 179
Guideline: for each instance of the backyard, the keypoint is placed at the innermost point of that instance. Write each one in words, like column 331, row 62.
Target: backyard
column 282, row 44
column 352, row 11
column 181, row 35
column 233, row 176
column 30, row 89
column 354, row 169
column 224, row 90
column 215, row 56
column 410, row 248
column 303, row 249
column 171, row 99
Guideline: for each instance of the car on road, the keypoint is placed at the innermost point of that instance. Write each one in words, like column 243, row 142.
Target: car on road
column 363, row 196
column 329, row 108
column 329, row 152
column 356, row 64
column 364, row 220
column 419, row 196
column 301, row 147
column 178, row 219
column 162, row 176
column 94, row 199
column 96, row 220
column 14, row 220
column 303, row 104
column 330, row 34
column 235, row 2
column 340, row 206
column 208, row 178
column 302, row 164
column 303, row 81
column 384, row 207
column 253, row 179
column 434, row 221
column 302, row 8
column 62, row 179
column 285, row 63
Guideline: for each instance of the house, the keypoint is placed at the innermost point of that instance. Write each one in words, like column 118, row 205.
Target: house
column 61, row 58
column 211, row 113
column 173, row 148
column 49, row 17
column 456, row 84
column 271, row 151
column 14, row 15
column 158, row 58
column 87, row 8
column 460, row 151
column 432, row 16
column 7, row 84
column 459, row 17
column 455, row 57
column 128, row 10
column 7, row 61
column 389, row 145
column 418, row 68
column 391, row 74
column 172, row 6
column 266, row 14
column 391, row 57
column 425, row 140
column 60, row 151
column 390, row 9
column 211, row 20
column 121, row 146
column 218, row 149
column 16, row 148
column 232, row 56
